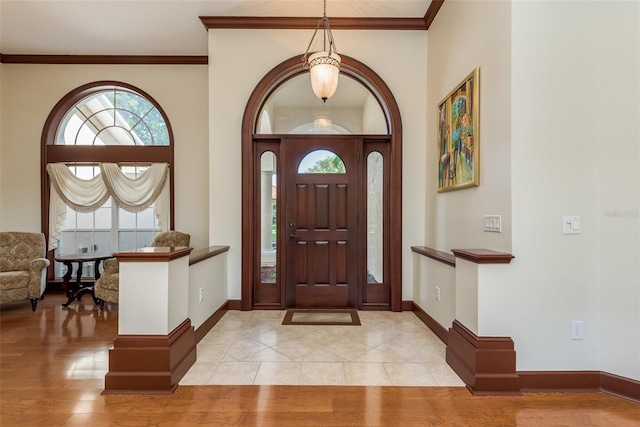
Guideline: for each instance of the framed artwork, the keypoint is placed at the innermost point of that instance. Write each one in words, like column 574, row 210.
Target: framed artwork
column 458, row 145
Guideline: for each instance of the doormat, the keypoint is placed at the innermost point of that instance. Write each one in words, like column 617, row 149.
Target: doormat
column 321, row 317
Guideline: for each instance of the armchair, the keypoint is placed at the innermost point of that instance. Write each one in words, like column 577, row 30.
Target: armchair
column 23, row 266
column 107, row 286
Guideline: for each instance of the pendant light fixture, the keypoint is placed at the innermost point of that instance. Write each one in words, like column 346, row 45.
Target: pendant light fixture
column 324, row 66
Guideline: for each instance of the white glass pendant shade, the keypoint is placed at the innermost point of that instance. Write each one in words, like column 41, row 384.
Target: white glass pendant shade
column 324, row 68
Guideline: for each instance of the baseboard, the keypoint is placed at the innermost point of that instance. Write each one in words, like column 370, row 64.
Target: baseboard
column 487, row 365
column 559, row 381
column 620, row 386
column 407, row 305
column 150, row 364
column 234, row 304
column 440, row 331
column 579, row 381
column 208, row 324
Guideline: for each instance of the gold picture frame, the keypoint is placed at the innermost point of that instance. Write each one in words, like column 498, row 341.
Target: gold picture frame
column 458, row 131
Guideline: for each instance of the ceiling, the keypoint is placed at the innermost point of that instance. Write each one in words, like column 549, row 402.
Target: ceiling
column 153, row 27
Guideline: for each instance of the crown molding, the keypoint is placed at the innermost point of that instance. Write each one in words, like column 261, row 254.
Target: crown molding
column 303, row 23
column 105, row 59
column 432, row 11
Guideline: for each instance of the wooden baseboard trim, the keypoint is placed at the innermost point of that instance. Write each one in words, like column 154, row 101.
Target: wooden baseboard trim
column 234, row 304
column 211, row 322
column 407, row 305
column 440, row 331
column 559, row 381
column 150, row 364
column 487, row 365
column 620, row 386
column 579, row 381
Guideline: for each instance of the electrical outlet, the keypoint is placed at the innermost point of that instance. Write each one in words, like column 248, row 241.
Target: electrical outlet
column 576, row 329
column 437, row 293
column 201, row 294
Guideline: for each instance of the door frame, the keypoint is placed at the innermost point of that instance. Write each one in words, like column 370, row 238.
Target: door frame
column 250, row 231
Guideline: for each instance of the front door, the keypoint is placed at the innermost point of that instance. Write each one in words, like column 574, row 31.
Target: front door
column 321, row 190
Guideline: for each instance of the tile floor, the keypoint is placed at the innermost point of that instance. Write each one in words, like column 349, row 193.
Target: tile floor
column 253, row 347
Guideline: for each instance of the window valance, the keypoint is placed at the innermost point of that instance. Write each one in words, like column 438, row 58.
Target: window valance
column 82, row 195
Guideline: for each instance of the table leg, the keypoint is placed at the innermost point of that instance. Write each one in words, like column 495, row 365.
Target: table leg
column 73, row 293
column 96, row 275
column 65, row 283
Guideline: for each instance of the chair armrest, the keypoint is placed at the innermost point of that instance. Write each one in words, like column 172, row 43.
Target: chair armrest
column 111, row 266
column 38, row 277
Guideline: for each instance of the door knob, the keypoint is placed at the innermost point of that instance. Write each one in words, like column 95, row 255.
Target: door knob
column 293, row 236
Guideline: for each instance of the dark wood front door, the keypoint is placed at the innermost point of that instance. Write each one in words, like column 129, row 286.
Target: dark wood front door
column 321, row 257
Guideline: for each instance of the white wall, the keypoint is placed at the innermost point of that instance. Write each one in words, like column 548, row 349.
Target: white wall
column 29, row 92
column 574, row 107
column 210, row 274
column 466, row 35
column 429, row 274
column 560, row 97
column 238, row 59
column 618, row 187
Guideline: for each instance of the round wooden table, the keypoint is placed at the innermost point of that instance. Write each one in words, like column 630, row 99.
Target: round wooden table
column 77, row 290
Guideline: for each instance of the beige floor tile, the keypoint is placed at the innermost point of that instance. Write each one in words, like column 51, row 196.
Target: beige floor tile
column 410, row 374
column 211, row 353
column 367, row 337
column 321, row 355
column 266, row 355
column 295, row 348
column 365, row 374
column 244, row 347
column 199, row 373
column 346, row 348
column 219, row 337
column 254, row 327
column 234, row 373
column 273, row 337
column 255, row 348
column 324, row 373
column 281, row 373
column 229, row 325
column 268, row 314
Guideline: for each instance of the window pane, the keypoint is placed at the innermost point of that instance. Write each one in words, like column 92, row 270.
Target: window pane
column 294, row 109
column 126, row 240
column 102, row 241
column 144, row 238
column 321, row 161
column 84, row 241
column 374, row 218
column 268, row 196
column 146, row 218
column 103, row 217
column 85, row 220
column 126, row 219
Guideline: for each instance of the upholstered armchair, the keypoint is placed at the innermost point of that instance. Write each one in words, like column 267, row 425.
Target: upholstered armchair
column 23, row 266
column 107, row 286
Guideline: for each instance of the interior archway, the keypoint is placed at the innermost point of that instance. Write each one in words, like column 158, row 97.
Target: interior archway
column 251, row 229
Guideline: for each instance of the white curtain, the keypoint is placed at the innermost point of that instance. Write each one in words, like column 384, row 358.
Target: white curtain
column 131, row 194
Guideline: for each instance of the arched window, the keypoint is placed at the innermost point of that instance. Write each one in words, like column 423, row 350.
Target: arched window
column 105, row 122
column 321, row 161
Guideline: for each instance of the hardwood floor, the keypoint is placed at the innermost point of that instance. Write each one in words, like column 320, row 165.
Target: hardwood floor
column 53, row 361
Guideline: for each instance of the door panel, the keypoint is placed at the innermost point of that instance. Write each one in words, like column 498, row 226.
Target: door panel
column 322, row 250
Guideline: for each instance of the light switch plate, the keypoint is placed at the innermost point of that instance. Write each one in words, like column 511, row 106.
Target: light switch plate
column 493, row 223
column 571, row 225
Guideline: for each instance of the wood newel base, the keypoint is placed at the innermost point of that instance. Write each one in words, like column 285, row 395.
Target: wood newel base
column 487, row 365
column 150, row 364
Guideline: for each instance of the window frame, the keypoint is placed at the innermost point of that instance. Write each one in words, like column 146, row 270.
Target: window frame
column 136, row 155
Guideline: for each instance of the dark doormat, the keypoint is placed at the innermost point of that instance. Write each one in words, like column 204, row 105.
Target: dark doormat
column 321, row 317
